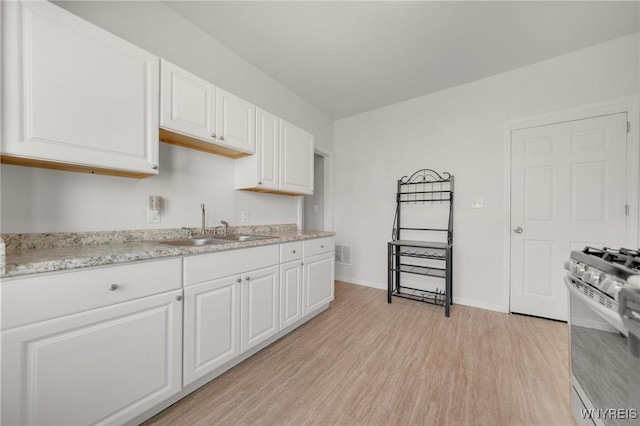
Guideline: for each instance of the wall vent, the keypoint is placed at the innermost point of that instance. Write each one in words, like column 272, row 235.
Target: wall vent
column 343, row 254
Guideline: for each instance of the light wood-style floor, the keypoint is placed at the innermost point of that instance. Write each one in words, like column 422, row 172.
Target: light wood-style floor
column 364, row 361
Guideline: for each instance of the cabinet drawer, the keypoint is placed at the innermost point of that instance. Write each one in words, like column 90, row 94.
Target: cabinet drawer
column 37, row 298
column 318, row 246
column 206, row 267
column 290, row 251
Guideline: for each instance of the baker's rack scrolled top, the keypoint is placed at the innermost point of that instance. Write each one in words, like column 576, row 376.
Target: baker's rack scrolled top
column 422, row 187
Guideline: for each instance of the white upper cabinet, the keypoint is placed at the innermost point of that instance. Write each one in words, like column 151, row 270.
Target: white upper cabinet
column 196, row 114
column 75, row 96
column 187, row 103
column 268, row 149
column 296, row 159
column 266, row 159
column 283, row 162
column 235, row 122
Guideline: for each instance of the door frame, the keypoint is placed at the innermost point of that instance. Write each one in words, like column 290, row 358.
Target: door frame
column 629, row 105
column 328, row 191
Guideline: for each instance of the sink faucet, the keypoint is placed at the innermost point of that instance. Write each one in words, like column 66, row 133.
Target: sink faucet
column 226, row 227
column 203, row 231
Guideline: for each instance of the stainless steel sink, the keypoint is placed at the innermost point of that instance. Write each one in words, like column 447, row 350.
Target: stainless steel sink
column 207, row 241
column 191, row 241
column 242, row 237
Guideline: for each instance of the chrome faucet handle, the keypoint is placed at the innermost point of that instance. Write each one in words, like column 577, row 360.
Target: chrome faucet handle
column 226, row 227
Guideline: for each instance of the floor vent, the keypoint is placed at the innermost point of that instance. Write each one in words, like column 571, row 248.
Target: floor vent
column 343, row 254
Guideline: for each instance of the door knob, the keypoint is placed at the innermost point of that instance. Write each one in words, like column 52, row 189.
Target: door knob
column 517, row 230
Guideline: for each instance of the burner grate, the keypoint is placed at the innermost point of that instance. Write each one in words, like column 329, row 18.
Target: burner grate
column 625, row 257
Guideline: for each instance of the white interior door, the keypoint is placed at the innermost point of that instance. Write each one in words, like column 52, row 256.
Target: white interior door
column 568, row 190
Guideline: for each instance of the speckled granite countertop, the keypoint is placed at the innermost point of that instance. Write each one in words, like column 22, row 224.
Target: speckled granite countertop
column 27, row 254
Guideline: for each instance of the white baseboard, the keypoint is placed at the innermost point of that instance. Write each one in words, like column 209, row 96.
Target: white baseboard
column 456, row 300
column 477, row 304
column 380, row 286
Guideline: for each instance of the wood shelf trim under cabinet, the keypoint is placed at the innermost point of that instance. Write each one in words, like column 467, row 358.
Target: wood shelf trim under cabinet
column 45, row 164
column 185, row 141
column 273, row 191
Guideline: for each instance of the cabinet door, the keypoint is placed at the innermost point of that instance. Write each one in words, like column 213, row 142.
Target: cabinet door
column 187, row 103
column 290, row 293
column 103, row 366
column 259, row 306
column 296, row 159
column 76, row 95
column 235, row 122
column 211, row 326
column 267, row 152
column 318, row 282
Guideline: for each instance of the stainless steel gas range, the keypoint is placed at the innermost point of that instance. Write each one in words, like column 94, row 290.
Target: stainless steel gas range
column 604, row 320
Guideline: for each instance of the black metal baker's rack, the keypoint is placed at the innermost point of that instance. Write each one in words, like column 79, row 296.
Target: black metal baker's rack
column 422, row 257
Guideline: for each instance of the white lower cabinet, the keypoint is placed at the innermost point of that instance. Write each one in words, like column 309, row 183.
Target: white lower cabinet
column 103, row 366
column 318, row 282
column 118, row 345
column 260, row 303
column 226, row 317
column 290, row 293
column 225, row 291
column 211, row 326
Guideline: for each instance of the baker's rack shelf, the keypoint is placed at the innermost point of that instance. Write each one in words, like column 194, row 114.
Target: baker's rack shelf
column 421, row 257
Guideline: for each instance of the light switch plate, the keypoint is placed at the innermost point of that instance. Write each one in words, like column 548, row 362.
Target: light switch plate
column 478, row 203
column 246, row 216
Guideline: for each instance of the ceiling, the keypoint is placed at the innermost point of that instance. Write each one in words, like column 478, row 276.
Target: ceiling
column 350, row 57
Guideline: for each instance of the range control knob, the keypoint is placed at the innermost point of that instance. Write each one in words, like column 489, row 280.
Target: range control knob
column 593, row 276
column 612, row 286
column 568, row 264
column 581, row 270
column 578, row 269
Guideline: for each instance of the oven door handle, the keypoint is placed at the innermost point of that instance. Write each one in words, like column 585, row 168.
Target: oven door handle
column 610, row 316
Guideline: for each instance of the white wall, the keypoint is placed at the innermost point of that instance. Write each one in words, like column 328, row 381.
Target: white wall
column 38, row 200
column 461, row 131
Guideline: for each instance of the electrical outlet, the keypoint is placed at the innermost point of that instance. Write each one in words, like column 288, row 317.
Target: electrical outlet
column 153, row 216
column 478, row 203
column 246, row 216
